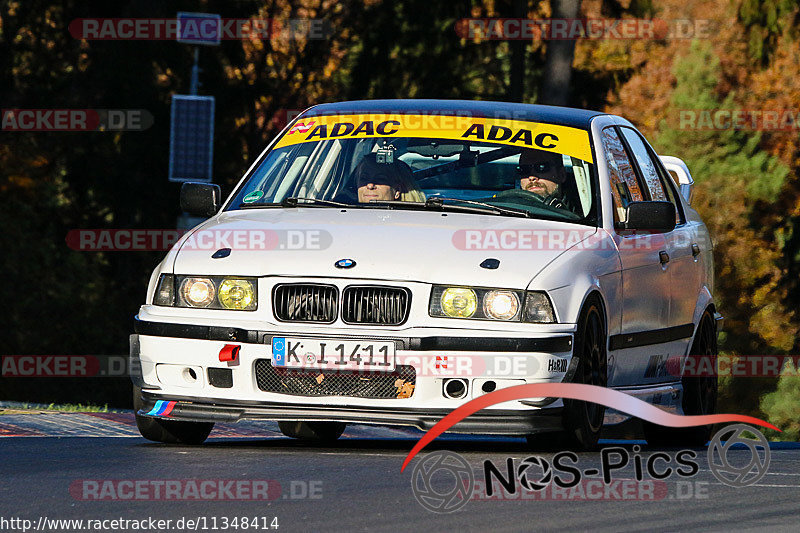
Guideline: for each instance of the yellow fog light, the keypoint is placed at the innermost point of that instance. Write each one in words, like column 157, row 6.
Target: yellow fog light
column 501, row 305
column 236, row 294
column 459, row 303
column 198, row 292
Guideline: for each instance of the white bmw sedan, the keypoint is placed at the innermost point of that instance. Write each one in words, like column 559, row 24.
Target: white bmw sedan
column 384, row 262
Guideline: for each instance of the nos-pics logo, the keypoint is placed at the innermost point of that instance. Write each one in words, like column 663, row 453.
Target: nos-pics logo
column 738, row 474
column 443, row 481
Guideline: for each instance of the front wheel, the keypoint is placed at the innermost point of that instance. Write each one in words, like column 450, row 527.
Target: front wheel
column 583, row 421
column 169, row 431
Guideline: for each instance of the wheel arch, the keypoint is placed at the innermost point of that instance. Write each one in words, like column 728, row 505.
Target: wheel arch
column 705, row 303
column 596, row 294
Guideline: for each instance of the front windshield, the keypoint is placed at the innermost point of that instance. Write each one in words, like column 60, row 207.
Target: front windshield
column 491, row 165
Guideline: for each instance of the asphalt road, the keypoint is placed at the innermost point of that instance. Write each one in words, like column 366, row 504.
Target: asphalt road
column 357, row 485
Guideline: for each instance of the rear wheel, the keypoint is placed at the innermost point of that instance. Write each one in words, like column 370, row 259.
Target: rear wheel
column 583, row 421
column 699, row 396
column 312, row 431
column 169, row 431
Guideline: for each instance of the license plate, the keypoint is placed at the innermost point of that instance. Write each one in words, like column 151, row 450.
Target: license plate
column 326, row 354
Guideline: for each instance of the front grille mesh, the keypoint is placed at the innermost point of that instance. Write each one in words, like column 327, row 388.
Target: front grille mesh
column 375, row 305
column 305, row 302
column 302, row 382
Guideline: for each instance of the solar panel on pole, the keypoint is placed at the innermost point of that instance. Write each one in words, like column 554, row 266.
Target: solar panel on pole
column 199, row 28
column 191, row 138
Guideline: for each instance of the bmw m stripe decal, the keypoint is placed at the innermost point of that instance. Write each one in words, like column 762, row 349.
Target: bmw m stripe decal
column 168, row 409
column 162, row 408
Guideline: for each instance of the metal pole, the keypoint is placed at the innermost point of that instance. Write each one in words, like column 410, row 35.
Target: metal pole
column 195, row 84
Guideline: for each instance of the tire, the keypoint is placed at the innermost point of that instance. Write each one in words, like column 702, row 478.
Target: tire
column 699, row 396
column 321, row 432
column 169, row 431
column 583, row 421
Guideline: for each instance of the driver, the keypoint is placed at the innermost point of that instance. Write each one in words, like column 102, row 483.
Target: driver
column 377, row 181
column 543, row 174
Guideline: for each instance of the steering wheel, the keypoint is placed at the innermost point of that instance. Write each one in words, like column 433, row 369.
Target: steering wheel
column 523, row 196
column 519, row 194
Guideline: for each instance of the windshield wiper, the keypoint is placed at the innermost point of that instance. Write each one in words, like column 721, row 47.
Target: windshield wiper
column 437, row 203
column 294, row 201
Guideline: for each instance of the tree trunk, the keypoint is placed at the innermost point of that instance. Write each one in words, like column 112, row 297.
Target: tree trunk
column 516, row 87
column 558, row 58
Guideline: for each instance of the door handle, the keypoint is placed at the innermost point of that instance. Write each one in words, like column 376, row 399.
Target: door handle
column 663, row 257
column 695, row 250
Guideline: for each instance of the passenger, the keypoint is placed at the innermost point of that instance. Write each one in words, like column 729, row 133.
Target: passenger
column 377, row 181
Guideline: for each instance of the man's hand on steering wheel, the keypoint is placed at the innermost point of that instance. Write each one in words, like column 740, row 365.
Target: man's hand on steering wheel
column 518, row 194
column 523, row 195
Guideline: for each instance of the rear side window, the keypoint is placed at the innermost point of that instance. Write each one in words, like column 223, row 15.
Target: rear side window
column 624, row 185
column 646, row 165
column 653, row 173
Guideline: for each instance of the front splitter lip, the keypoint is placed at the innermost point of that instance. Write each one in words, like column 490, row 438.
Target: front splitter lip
column 489, row 422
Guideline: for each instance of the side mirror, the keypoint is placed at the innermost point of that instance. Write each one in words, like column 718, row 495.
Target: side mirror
column 200, row 199
column 685, row 181
column 651, row 216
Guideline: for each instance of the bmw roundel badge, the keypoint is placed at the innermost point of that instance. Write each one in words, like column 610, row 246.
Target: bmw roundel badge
column 344, row 263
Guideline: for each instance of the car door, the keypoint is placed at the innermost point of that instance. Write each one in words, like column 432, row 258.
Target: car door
column 645, row 280
column 677, row 259
column 685, row 246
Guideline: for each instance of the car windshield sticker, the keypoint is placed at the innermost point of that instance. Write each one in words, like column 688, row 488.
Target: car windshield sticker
column 524, row 134
column 253, row 197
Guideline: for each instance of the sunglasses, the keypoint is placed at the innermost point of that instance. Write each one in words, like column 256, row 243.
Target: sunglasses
column 380, row 179
column 535, row 168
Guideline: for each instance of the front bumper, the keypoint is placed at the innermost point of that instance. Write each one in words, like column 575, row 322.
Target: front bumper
column 163, row 352
column 501, row 422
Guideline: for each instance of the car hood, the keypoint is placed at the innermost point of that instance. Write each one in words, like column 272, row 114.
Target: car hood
column 405, row 245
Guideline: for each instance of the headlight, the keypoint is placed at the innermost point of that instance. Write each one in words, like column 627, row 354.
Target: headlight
column 215, row 292
column 236, row 294
column 501, row 305
column 490, row 304
column 198, row 292
column 459, row 303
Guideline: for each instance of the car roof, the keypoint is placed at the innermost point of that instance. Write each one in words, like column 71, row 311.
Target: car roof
column 564, row 116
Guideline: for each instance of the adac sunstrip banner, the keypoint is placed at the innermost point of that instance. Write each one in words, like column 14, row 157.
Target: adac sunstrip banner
column 573, row 142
